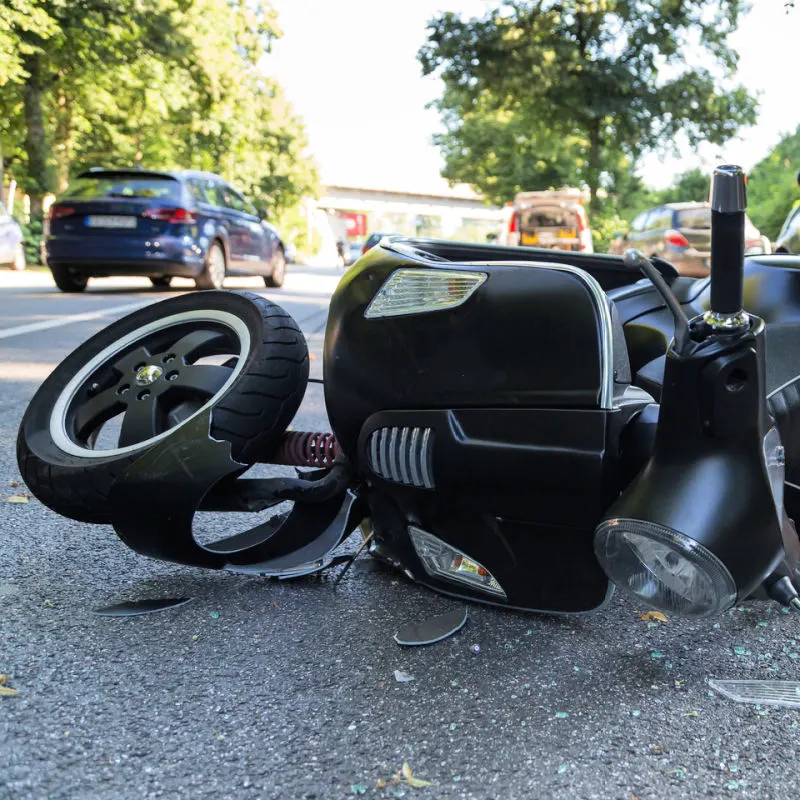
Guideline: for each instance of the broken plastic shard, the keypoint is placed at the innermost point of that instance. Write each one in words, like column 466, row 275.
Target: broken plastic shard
column 773, row 693
column 432, row 630
column 402, row 677
column 134, row 607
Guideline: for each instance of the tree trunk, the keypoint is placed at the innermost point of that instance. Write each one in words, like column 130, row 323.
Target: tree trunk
column 63, row 140
column 35, row 139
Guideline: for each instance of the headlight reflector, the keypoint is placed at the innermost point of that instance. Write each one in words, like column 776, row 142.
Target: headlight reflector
column 414, row 291
column 442, row 560
column 663, row 568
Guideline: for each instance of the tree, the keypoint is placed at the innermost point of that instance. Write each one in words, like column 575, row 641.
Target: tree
column 692, row 185
column 772, row 190
column 577, row 87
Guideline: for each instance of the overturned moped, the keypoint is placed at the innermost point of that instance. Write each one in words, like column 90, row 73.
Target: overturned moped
column 518, row 427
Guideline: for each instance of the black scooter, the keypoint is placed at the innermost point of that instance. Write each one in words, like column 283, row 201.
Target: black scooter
column 518, row 427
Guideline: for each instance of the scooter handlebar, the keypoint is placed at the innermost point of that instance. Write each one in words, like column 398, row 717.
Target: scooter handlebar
column 728, row 204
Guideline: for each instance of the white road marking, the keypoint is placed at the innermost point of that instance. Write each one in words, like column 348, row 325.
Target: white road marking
column 58, row 322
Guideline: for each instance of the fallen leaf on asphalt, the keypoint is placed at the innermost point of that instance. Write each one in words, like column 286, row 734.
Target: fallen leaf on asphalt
column 6, row 690
column 690, row 714
column 653, row 616
column 14, row 484
column 17, row 498
column 417, row 783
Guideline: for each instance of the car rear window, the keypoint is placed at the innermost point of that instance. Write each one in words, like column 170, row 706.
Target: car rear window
column 114, row 186
column 695, row 218
column 548, row 218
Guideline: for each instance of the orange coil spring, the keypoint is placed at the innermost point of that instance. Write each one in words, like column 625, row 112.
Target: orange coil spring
column 304, row 449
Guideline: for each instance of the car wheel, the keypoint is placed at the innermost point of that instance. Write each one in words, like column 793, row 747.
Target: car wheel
column 67, row 280
column 143, row 377
column 161, row 282
column 213, row 275
column 276, row 277
column 19, row 263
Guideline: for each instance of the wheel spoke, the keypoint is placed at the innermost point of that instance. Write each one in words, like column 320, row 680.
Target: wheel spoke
column 200, row 343
column 201, row 379
column 140, row 422
column 127, row 364
column 96, row 411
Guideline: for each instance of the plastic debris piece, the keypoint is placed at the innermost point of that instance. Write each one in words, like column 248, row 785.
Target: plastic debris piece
column 653, row 616
column 562, row 768
column 214, row 615
column 636, row 713
column 18, row 498
column 562, row 714
column 433, row 630
column 402, row 677
column 476, row 649
column 772, row 693
column 656, row 654
column 740, row 650
column 417, row 783
column 358, row 788
column 134, row 607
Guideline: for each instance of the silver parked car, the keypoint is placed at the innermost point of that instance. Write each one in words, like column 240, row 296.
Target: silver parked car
column 12, row 248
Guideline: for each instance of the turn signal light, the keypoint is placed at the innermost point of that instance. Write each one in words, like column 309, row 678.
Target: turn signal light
column 173, row 215
column 59, row 212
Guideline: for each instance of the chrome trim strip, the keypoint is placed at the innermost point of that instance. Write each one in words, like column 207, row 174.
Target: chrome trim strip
column 783, row 386
column 423, row 459
column 373, row 451
column 384, row 455
column 394, row 471
column 412, row 458
column 403, row 453
column 598, row 296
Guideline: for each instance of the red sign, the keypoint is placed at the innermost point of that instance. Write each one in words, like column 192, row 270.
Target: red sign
column 356, row 224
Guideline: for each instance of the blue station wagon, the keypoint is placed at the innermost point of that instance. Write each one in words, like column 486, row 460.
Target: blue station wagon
column 160, row 225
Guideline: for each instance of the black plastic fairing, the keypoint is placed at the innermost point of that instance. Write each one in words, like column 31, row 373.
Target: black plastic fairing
column 529, row 337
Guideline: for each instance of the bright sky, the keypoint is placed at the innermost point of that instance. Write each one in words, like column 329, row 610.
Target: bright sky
column 349, row 68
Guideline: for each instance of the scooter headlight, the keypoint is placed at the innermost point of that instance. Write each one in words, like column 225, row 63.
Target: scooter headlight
column 663, row 568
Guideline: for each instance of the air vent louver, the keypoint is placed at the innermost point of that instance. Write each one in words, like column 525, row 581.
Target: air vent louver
column 403, row 455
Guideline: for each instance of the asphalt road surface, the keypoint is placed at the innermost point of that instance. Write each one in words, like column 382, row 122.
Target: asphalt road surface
column 267, row 689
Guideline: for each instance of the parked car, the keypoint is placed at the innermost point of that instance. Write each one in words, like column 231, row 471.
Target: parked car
column 681, row 234
column 554, row 220
column 788, row 240
column 354, row 252
column 161, row 225
column 374, row 238
column 12, row 248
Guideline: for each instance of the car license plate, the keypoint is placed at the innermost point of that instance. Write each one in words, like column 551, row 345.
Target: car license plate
column 566, row 233
column 110, row 221
column 530, row 238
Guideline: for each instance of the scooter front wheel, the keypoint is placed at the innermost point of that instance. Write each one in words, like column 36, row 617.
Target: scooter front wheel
column 143, row 377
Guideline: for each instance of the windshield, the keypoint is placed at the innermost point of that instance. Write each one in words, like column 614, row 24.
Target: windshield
column 695, row 218
column 133, row 186
column 548, row 218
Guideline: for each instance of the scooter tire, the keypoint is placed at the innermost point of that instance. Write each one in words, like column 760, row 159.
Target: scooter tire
column 251, row 410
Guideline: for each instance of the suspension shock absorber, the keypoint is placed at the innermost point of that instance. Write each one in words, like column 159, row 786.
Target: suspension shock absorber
column 306, row 449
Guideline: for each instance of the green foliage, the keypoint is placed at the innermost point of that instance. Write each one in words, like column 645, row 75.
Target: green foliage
column 161, row 84
column 772, row 189
column 31, row 239
column 690, row 186
column 554, row 92
column 604, row 225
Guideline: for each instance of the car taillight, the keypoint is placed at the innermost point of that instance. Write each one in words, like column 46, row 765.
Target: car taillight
column 581, row 220
column 512, row 224
column 676, row 239
column 59, row 212
column 175, row 215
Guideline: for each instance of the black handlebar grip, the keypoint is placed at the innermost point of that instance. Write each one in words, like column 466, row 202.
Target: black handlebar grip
column 728, row 204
